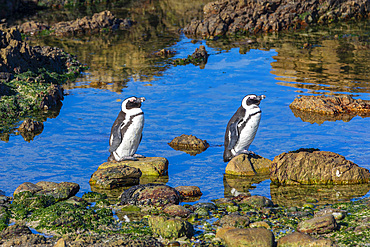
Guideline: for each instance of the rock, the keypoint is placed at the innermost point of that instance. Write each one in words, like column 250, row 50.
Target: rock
column 338, row 214
column 30, row 128
column 189, row 144
column 297, row 239
column 99, row 22
column 258, row 224
column 114, row 177
column 170, row 228
column 21, row 235
column 248, row 165
column 60, row 243
column 33, row 27
column 317, row 167
column 149, row 166
column 319, row 225
column 199, row 57
column 257, row 201
column 177, row 210
column 189, row 193
column 230, row 17
column 223, row 202
column 246, row 237
column 150, row 194
column 60, row 191
column 332, row 105
column 234, row 220
column 206, row 205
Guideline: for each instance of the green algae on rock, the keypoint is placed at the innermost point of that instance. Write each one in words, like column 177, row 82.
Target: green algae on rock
column 171, row 228
column 30, row 78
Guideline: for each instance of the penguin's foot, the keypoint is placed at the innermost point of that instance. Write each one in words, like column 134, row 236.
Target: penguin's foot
column 128, row 158
column 138, row 156
column 246, row 152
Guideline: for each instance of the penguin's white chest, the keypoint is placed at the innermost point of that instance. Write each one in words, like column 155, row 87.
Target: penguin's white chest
column 131, row 135
column 248, row 132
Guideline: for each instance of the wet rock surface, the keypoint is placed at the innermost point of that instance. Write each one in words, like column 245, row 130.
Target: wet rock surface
column 321, row 224
column 150, row 194
column 244, row 237
column 248, row 165
column 114, row 177
column 199, row 57
column 30, row 128
column 171, row 228
column 227, row 17
column 99, row 22
column 317, row 167
column 149, row 166
column 59, row 191
column 297, row 239
column 177, row 210
column 189, row 144
column 189, row 193
column 341, row 107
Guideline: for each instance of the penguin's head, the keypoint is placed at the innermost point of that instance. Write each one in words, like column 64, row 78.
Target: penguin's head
column 131, row 103
column 252, row 100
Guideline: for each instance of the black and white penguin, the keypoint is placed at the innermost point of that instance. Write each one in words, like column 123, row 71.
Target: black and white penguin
column 242, row 127
column 126, row 132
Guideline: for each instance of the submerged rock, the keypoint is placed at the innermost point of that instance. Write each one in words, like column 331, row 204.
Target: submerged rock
column 248, row 165
column 150, row 194
column 317, row 167
column 189, row 144
column 332, row 105
column 149, row 166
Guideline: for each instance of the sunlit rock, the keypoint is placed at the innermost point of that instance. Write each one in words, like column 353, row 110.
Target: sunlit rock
column 114, row 177
column 170, row 228
column 244, row 237
column 316, row 167
column 150, row 194
column 248, row 165
column 322, row 224
column 60, row 191
column 189, row 193
column 177, row 210
column 298, row 239
column 30, row 128
column 234, row 220
column 338, row 214
column 332, row 108
column 189, row 144
column 150, row 166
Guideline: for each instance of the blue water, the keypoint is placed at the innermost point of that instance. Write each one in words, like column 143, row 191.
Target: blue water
column 183, row 100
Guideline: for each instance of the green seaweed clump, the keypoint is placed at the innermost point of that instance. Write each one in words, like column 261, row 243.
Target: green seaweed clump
column 94, row 196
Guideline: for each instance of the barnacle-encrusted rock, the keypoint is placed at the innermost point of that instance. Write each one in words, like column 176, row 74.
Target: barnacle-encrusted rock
column 150, row 194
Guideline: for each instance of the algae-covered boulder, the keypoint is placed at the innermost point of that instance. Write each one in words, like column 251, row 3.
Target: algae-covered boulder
column 246, row 236
column 114, row 177
column 199, row 57
column 60, row 191
column 322, row 224
column 149, row 166
column 189, row 144
column 171, row 228
column 316, row 167
column 150, row 194
column 248, row 165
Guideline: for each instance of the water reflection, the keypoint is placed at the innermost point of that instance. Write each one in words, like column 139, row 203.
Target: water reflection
column 322, row 194
column 235, row 185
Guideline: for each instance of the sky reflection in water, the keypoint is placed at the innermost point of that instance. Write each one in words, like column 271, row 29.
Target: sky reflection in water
column 185, row 100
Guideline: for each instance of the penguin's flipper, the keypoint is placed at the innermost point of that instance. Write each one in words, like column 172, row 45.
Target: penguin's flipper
column 116, row 138
column 234, row 135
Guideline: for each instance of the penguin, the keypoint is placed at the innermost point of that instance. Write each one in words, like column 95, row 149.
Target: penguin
column 242, row 127
column 126, row 132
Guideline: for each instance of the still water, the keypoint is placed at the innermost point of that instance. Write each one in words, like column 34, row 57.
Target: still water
column 197, row 100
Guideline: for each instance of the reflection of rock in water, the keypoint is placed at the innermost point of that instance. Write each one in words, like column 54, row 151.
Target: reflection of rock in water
column 313, row 117
column 235, row 185
column 323, row 194
column 30, row 128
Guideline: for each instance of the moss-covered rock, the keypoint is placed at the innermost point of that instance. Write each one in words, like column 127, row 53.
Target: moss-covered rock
column 170, row 228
